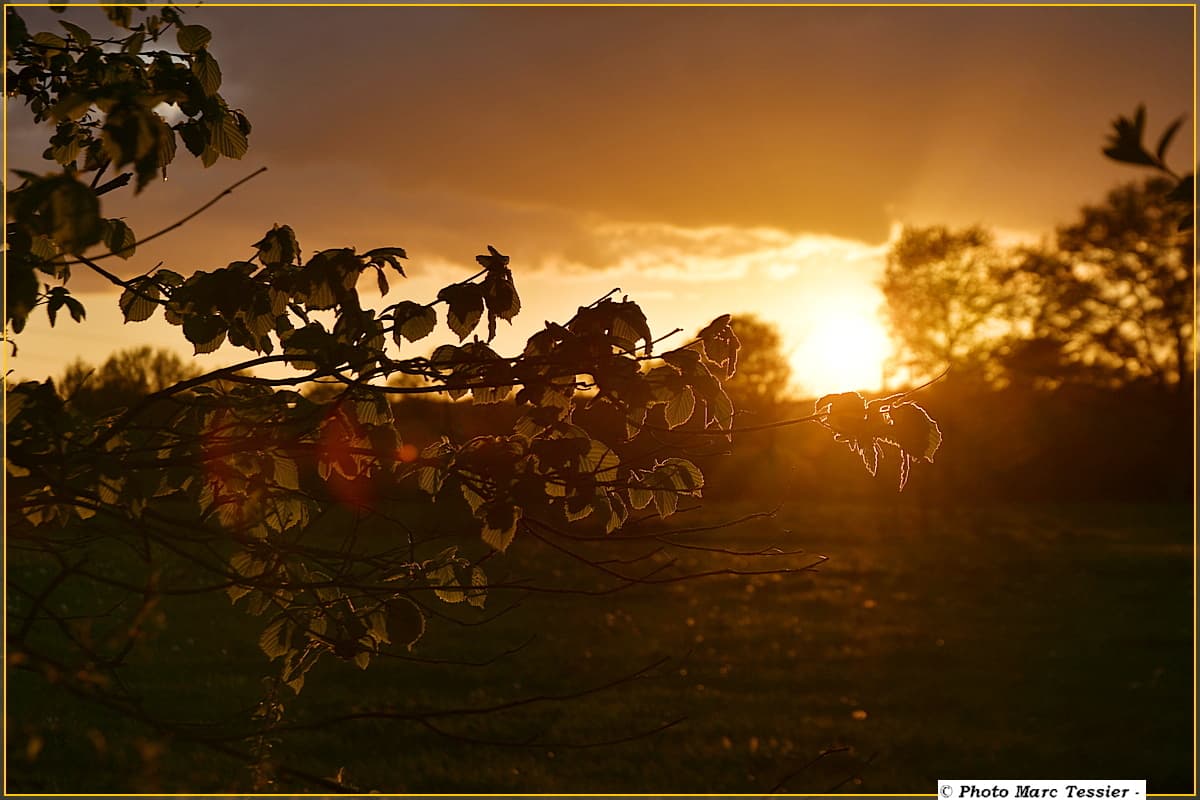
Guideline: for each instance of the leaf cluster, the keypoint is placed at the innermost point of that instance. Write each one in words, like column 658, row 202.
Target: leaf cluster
column 103, row 96
column 866, row 427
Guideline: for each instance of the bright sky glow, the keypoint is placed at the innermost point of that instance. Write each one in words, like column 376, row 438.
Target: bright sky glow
column 841, row 351
column 706, row 161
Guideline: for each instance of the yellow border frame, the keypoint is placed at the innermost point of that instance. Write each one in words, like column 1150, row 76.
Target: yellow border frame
column 1195, row 329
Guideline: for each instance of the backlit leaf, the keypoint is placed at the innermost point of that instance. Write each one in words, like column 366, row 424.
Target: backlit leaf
column 207, row 71
column 464, row 303
column 139, row 300
column 81, row 37
column 228, row 138
column 119, row 238
column 193, row 37
column 276, row 639
column 679, row 408
column 413, row 321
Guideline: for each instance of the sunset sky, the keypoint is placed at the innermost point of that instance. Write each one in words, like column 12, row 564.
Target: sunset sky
column 704, row 160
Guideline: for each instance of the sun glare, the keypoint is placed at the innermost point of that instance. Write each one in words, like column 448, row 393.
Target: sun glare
column 840, row 352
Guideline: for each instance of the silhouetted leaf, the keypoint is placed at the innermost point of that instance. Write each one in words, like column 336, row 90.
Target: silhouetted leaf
column 192, row 38
column 1125, row 141
column 75, row 308
column 195, row 137
column 71, row 106
column 448, row 587
column 500, row 296
column 914, row 431
column 119, row 238
column 207, row 71
column 679, row 408
column 48, row 43
column 386, row 255
column 413, row 321
column 67, row 210
column 465, row 307
column 227, row 137
column 500, row 525
column 405, row 622
column 276, row 638
column 279, row 246
column 494, row 260
column 477, row 595
column 139, row 300
column 1165, row 140
column 81, row 37
column 206, row 333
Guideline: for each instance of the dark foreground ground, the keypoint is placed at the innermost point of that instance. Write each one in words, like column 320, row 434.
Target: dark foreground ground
column 998, row 642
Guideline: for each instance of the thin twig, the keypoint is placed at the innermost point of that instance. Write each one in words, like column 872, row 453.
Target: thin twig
column 174, row 225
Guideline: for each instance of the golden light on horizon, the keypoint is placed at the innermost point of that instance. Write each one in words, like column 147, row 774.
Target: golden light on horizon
column 840, row 351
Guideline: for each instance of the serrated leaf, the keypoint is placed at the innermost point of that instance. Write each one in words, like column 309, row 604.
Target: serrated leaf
column 600, row 461
column 618, row 513
column 640, row 497
column 679, row 408
column 413, row 321
column 914, row 431
column 166, row 145
column 683, row 474
column 207, row 72
column 66, row 153
column 278, row 246
column 446, row 583
column 720, row 410
column 478, row 594
column 81, row 37
column 629, row 323
column 500, row 526
column 228, row 138
column 666, row 501
column 206, row 333
column 464, row 303
column 430, row 480
column 139, row 300
column 192, row 38
column 119, row 238
column 287, row 475
column 49, row 42
column 276, row 639
column 715, row 327
column 70, row 107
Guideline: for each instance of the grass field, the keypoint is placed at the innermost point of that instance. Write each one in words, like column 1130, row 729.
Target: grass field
column 997, row 642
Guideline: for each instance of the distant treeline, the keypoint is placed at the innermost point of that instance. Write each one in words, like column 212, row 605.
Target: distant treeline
column 1076, row 443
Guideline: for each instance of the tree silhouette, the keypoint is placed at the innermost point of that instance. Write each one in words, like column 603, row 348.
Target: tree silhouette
column 125, row 378
column 948, row 301
column 1114, row 298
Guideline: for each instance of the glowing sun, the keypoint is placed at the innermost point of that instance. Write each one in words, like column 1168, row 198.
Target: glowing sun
column 840, row 351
